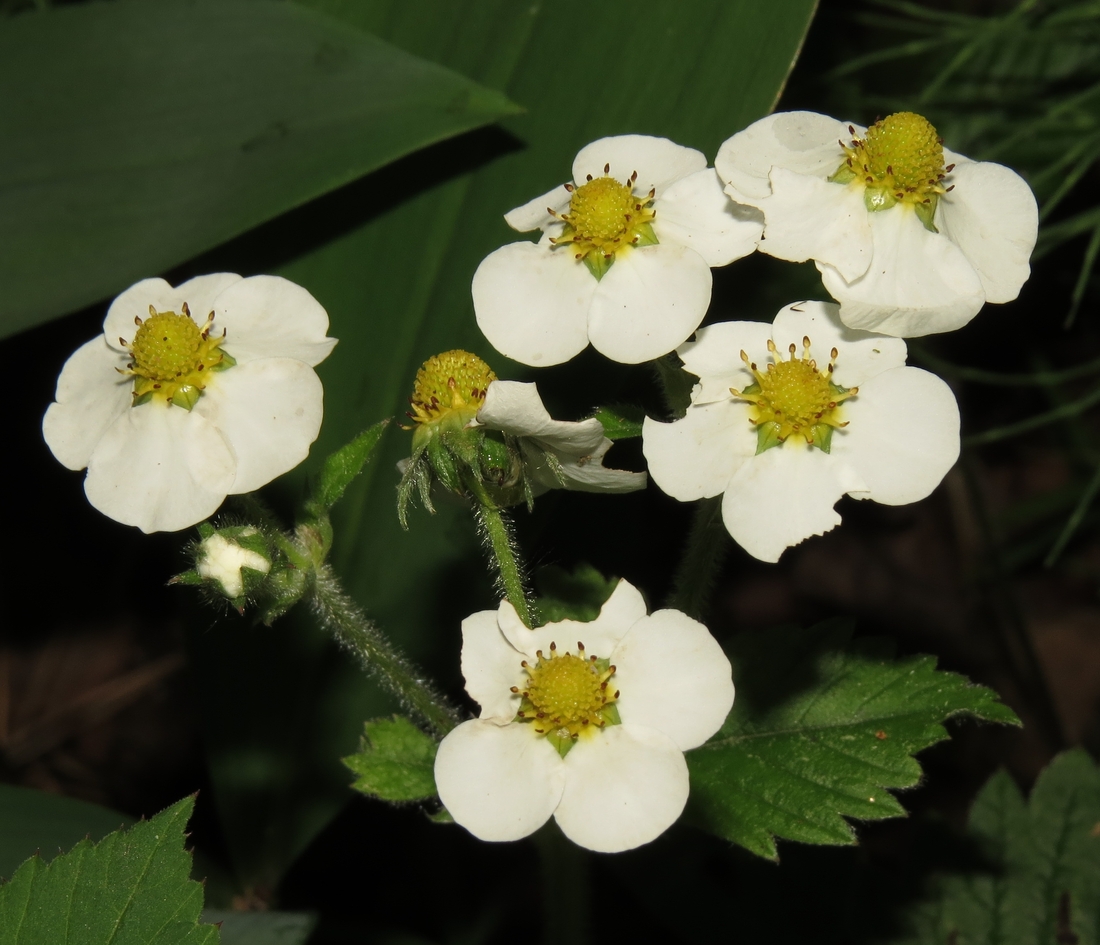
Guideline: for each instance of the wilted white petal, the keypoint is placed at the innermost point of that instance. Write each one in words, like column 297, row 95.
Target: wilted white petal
column 993, row 218
column 903, row 435
column 673, row 677
column 865, row 353
column 199, row 294
column 785, row 495
column 696, row 212
column 625, row 786
column 805, row 142
column 271, row 317
column 490, row 665
column 696, row 457
column 515, row 407
column 715, row 357
column 588, row 474
column 648, row 303
column 657, row 161
column 91, row 394
column 532, row 303
column 811, row 218
column 500, row 782
column 160, row 468
column 533, row 214
column 918, row 283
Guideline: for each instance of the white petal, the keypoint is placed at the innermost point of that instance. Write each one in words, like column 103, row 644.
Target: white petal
column 862, row 354
column 625, row 786
column 490, row 666
column 903, row 435
column 811, row 218
column 621, row 611
column 271, row 317
column 160, row 468
column 648, row 303
column 918, row 283
column 805, row 142
column 532, row 303
column 715, row 357
column 199, row 294
column 588, row 474
column 500, row 782
column 785, row 495
column 657, row 161
column 270, row 412
column 696, row 212
column 673, row 677
column 992, row 217
column 91, row 395
column 516, row 408
column 696, row 457
column 533, row 214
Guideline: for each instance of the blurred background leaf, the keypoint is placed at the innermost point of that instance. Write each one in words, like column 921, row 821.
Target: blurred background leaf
column 144, row 133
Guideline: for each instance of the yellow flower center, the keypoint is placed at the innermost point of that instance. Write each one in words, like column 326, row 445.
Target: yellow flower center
column 450, row 389
column 172, row 357
column 899, row 161
column 794, row 397
column 567, row 695
column 606, row 218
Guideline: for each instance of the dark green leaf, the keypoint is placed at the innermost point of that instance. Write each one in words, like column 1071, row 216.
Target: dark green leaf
column 576, row 596
column 395, row 761
column 39, row 822
column 821, row 727
column 1041, row 883
column 344, row 465
column 129, row 889
column 621, row 421
column 144, row 133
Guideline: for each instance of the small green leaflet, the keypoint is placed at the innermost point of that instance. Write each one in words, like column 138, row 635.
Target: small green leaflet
column 620, row 421
column 395, row 761
column 1041, row 883
column 821, row 727
column 343, row 466
column 131, row 888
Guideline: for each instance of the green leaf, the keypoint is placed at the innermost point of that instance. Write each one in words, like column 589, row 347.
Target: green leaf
column 572, row 596
column 37, row 821
column 344, row 465
column 1041, row 881
column 395, row 761
column 129, row 889
column 262, row 928
column 821, row 727
column 621, row 421
column 153, row 131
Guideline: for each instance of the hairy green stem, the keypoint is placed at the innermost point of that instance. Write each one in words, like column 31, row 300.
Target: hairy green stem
column 706, row 548
column 496, row 532
column 351, row 628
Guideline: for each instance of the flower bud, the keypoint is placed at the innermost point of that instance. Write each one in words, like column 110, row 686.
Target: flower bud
column 232, row 562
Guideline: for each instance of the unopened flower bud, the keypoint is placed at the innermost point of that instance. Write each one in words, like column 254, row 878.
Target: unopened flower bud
column 236, row 560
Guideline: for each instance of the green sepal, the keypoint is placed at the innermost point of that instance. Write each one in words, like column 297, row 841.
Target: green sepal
column 610, row 713
column 283, row 589
column 441, row 816
column 188, row 579
column 227, row 361
column 645, row 235
column 442, row 463
column 415, row 475
column 926, row 212
column 205, row 529
column 602, row 664
column 598, row 263
column 395, row 761
column 563, row 744
column 752, row 389
column 142, row 399
column 823, row 436
column 186, row 396
column 767, row 436
column 499, row 459
column 843, row 175
column 620, row 422
column 878, row 198
column 342, row 466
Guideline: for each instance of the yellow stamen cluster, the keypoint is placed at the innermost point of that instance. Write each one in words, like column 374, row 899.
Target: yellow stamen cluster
column 172, row 357
column 567, row 695
column 794, row 398
column 449, row 390
column 900, row 160
column 605, row 217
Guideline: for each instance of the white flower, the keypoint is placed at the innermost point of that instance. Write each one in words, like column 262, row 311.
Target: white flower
column 558, row 454
column 610, row 786
column 880, row 430
column 624, row 259
column 910, row 238
column 170, row 416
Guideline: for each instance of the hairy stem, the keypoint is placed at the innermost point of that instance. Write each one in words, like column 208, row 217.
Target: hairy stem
column 496, row 532
column 351, row 628
column 705, row 550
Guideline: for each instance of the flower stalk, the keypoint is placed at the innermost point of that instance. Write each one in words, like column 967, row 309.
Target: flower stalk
column 706, row 548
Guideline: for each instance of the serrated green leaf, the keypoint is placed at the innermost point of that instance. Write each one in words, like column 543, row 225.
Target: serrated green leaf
column 576, row 595
column 131, row 888
column 144, row 133
column 1041, row 883
column 621, row 421
column 344, row 465
column 821, row 727
column 395, row 761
